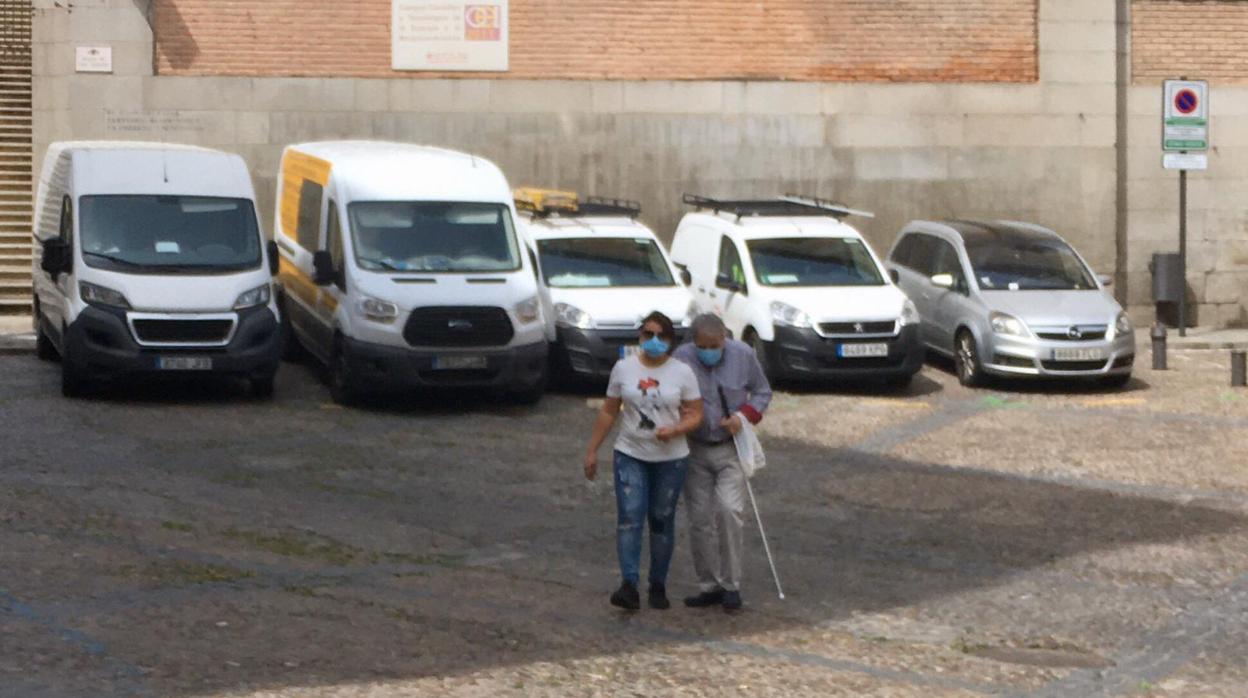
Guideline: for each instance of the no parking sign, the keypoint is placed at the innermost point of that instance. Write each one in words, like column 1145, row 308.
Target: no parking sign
column 1185, row 120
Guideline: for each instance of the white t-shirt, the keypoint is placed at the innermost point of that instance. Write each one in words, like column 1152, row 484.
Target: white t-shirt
column 652, row 398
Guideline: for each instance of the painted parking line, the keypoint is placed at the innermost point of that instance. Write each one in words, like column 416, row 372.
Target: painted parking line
column 897, row 403
column 1111, row 401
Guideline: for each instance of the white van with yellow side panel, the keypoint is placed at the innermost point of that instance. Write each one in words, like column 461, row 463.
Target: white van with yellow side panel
column 401, row 267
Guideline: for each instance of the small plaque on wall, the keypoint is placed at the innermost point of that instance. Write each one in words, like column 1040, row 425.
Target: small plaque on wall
column 94, row 59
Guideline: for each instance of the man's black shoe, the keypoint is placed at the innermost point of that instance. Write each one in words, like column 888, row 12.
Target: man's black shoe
column 732, row 601
column 626, row 597
column 658, row 597
column 713, row 597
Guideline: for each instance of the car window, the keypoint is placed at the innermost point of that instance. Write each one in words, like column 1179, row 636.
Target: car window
column 730, row 261
column 814, row 261
column 433, row 236
column 902, row 253
column 1027, row 264
column 945, row 261
column 603, row 262
column 333, row 240
column 922, row 254
column 67, row 220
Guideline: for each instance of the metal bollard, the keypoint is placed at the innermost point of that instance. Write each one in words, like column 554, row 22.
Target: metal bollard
column 1239, row 368
column 1158, row 334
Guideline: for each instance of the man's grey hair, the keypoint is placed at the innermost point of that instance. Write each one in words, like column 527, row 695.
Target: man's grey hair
column 709, row 325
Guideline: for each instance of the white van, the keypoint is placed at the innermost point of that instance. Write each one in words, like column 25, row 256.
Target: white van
column 806, row 290
column 402, row 268
column 151, row 260
column 601, row 272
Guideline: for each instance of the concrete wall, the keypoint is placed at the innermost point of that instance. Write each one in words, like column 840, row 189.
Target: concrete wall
column 1043, row 152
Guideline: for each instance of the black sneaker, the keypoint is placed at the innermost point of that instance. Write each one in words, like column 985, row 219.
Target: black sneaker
column 732, row 601
column 713, row 597
column 626, row 597
column 658, row 597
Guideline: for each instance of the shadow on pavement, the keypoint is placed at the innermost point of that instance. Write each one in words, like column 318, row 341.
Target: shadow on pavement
column 446, row 553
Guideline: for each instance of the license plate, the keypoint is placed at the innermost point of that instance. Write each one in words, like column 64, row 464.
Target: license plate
column 861, row 351
column 1078, row 354
column 184, row 363
column 630, row 350
column 458, row 363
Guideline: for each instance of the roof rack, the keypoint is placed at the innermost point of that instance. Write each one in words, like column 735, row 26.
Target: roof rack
column 605, row 206
column 787, row 205
column 544, row 202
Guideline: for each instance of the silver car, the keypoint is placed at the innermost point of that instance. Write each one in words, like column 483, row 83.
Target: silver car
column 1011, row 299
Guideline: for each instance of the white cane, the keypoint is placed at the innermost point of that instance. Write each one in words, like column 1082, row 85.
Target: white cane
column 766, row 548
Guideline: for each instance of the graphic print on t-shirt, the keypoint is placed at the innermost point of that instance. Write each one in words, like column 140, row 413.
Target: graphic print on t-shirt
column 648, row 398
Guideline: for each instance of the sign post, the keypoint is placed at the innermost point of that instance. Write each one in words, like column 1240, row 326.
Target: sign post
column 1184, row 140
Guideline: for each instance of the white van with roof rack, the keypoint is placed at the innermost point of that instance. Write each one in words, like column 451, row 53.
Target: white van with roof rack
column 601, row 271
column 402, row 268
column 151, row 261
column 791, row 278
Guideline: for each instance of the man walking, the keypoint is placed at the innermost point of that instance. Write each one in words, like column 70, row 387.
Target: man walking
column 732, row 385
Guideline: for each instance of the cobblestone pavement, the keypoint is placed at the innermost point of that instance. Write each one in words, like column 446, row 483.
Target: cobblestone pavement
column 183, row 540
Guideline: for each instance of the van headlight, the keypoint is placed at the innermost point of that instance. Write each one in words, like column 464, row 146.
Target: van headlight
column 785, row 314
column 572, row 316
column 1007, row 324
column 1123, row 326
column 909, row 313
column 102, row 296
column 529, row 310
column 257, row 296
column 378, row 310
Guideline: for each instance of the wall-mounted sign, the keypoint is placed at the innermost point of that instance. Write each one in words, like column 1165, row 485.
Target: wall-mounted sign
column 449, row 35
column 93, row 59
column 1185, row 115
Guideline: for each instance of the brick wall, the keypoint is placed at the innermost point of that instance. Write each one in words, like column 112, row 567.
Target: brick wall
column 812, row 40
column 1198, row 38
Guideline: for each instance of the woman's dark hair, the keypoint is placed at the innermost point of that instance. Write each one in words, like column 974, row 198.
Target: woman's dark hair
column 668, row 329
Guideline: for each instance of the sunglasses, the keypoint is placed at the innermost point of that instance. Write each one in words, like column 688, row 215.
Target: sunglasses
column 647, row 335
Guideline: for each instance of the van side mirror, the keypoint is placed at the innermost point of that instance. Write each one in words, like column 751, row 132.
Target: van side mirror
column 944, row 281
column 727, row 283
column 58, row 257
column 322, row 268
column 685, row 277
column 892, row 274
column 1105, row 279
column 275, row 260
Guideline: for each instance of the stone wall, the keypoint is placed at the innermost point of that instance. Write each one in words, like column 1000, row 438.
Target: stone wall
column 1044, row 152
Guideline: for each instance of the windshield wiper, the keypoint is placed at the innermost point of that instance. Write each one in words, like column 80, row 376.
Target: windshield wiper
column 115, row 260
column 387, row 266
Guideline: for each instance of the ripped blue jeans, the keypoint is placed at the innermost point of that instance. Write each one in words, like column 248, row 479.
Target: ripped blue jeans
column 646, row 492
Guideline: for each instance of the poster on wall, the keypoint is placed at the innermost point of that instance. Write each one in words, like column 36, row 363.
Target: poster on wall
column 443, row 35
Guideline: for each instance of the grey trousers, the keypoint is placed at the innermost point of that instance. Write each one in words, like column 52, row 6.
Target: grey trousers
column 715, row 496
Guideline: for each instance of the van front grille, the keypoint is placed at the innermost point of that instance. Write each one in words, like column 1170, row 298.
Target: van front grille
column 851, row 329
column 452, row 326
column 188, row 332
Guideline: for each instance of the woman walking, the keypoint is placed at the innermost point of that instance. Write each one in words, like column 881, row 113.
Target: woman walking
column 661, row 403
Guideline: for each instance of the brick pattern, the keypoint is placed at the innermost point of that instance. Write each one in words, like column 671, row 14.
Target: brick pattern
column 1197, row 38
column 810, row 40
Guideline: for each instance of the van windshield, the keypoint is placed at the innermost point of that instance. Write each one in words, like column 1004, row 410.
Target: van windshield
column 603, row 262
column 433, row 236
column 1033, row 264
column 160, row 234
column 814, row 261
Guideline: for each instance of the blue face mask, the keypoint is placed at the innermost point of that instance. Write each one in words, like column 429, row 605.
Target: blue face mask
column 710, row 357
column 655, row 347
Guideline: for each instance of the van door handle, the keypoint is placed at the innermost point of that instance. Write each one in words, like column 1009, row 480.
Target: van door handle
column 714, row 295
column 701, row 289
